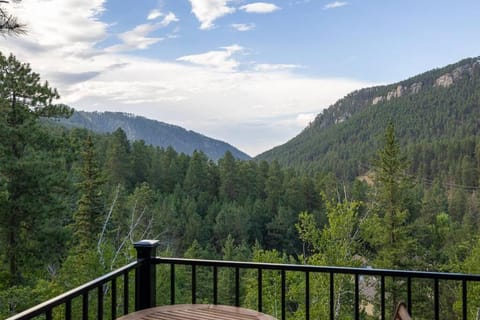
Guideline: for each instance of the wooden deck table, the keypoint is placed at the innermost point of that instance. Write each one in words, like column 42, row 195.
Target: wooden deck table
column 196, row 312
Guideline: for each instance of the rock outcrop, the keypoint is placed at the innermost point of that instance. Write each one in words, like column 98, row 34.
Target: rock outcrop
column 396, row 93
column 444, row 81
column 449, row 78
column 416, row 87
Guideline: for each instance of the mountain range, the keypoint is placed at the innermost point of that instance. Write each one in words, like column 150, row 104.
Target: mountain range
column 436, row 116
column 152, row 132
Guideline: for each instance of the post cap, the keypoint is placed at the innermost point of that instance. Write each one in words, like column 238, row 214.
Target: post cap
column 146, row 244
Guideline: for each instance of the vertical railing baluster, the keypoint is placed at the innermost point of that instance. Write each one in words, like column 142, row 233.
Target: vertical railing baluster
column 382, row 297
column 100, row 302
column 464, row 299
column 194, row 284
column 260, row 289
column 114, row 299
column 284, row 290
column 48, row 315
column 436, row 301
column 215, row 285
column 237, row 287
column 357, row 297
column 332, row 296
column 307, row 295
column 126, row 293
column 85, row 306
column 409, row 295
column 68, row 310
column 172, row 283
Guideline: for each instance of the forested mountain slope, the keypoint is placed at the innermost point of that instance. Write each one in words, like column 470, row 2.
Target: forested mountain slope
column 436, row 116
column 153, row 132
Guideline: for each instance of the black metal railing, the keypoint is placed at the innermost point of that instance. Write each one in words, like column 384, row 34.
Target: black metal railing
column 405, row 277
column 85, row 292
column 439, row 291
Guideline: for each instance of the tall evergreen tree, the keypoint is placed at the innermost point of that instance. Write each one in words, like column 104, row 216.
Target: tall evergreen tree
column 229, row 179
column 90, row 208
column 118, row 161
column 196, row 178
column 27, row 178
column 387, row 229
column 391, row 182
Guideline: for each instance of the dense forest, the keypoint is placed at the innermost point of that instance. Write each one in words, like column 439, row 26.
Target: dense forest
column 72, row 202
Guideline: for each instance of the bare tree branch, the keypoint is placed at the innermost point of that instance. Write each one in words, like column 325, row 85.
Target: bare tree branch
column 104, row 228
column 9, row 24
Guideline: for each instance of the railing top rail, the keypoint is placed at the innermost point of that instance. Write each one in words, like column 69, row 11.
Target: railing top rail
column 321, row 269
column 49, row 304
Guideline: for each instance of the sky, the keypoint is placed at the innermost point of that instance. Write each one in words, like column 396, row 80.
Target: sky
column 251, row 73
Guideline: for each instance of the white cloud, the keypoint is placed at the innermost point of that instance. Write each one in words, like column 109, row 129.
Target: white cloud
column 136, row 39
column 207, row 11
column 266, row 67
column 304, row 119
column 336, row 4
column 169, row 18
column 68, row 24
column 259, row 7
column 243, row 26
column 220, row 60
column 154, row 14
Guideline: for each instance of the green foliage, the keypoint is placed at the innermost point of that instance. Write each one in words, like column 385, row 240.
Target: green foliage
column 89, row 215
column 72, row 200
column 27, row 165
column 389, row 228
column 271, row 282
column 118, row 165
column 338, row 244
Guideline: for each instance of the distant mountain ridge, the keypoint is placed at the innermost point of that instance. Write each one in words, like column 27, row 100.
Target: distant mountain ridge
column 153, row 132
column 358, row 100
column 433, row 110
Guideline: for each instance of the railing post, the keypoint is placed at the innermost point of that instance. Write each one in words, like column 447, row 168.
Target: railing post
column 145, row 274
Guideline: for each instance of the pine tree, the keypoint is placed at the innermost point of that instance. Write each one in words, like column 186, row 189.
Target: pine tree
column 229, row 179
column 118, row 162
column 27, row 176
column 196, row 178
column 391, row 182
column 386, row 229
column 90, row 207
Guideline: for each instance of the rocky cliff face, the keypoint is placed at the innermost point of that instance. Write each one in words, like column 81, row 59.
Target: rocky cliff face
column 461, row 72
column 445, row 80
column 399, row 91
column 360, row 99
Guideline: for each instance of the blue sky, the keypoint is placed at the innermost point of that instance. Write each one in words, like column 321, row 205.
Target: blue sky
column 252, row 73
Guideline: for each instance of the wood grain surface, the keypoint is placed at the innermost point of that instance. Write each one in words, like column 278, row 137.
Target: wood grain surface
column 197, row 312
